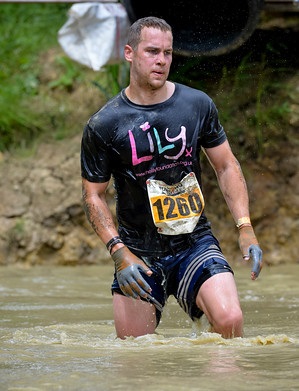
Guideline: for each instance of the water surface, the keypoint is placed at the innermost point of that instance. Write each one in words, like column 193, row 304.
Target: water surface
column 57, row 333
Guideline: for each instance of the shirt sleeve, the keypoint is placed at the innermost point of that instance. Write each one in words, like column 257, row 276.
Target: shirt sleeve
column 95, row 165
column 214, row 133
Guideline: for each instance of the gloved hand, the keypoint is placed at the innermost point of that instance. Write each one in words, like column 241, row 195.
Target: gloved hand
column 128, row 267
column 250, row 249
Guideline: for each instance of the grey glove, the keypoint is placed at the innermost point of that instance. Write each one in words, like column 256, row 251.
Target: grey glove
column 256, row 255
column 250, row 249
column 128, row 269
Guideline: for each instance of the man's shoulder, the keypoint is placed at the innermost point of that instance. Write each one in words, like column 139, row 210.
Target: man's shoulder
column 110, row 105
column 107, row 111
column 188, row 91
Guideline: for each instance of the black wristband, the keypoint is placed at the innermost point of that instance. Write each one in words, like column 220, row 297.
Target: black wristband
column 112, row 242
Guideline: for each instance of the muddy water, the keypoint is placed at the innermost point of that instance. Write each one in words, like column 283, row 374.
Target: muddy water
column 57, row 333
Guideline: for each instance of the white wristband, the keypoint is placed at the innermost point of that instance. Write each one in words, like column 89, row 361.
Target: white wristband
column 242, row 221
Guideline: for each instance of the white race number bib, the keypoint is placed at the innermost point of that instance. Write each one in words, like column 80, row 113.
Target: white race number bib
column 176, row 208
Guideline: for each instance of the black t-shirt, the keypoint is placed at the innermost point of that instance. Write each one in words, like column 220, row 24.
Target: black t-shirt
column 134, row 143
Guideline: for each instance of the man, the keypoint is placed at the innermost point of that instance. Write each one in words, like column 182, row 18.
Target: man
column 149, row 138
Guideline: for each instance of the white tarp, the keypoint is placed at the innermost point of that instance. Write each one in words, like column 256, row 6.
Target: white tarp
column 95, row 33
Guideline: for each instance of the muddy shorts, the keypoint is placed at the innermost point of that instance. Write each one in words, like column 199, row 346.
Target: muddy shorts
column 182, row 275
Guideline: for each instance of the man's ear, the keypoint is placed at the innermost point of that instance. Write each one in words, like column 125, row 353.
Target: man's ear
column 128, row 52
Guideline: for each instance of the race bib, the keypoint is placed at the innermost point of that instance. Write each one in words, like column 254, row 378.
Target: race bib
column 176, row 208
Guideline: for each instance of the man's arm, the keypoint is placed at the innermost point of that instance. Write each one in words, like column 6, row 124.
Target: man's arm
column 233, row 187
column 230, row 178
column 97, row 210
column 128, row 267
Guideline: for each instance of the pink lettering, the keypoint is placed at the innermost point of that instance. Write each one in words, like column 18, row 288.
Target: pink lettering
column 188, row 153
column 135, row 159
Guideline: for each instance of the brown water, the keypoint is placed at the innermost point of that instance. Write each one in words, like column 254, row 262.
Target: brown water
column 57, row 333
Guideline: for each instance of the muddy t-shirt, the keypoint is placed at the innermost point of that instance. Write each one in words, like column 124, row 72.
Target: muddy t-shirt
column 136, row 143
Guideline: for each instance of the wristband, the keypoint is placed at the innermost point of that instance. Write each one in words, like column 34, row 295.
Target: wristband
column 112, row 242
column 243, row 221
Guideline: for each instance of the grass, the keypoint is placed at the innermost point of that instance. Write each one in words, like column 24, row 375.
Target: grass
column 25, row 31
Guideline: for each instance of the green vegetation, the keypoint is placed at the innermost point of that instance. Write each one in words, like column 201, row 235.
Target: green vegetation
column 25, row 31
column 42, row 90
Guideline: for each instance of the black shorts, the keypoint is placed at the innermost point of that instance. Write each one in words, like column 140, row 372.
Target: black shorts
column 182, row 275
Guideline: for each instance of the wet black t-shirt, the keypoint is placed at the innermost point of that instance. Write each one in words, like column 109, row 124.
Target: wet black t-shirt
column 134, row 143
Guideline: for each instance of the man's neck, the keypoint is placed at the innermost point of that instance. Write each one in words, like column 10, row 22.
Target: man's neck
column 150, row 97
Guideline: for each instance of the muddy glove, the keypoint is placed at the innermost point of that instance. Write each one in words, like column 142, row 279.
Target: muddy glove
column 250, row 249
column 128, row 268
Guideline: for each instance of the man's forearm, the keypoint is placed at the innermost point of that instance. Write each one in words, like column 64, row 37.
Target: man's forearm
column 234, row 189
column 99, row 215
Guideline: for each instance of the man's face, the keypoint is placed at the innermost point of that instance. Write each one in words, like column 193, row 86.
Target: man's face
column 150, row 62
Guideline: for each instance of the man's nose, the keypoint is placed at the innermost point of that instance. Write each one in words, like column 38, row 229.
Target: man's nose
column 161, row 58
